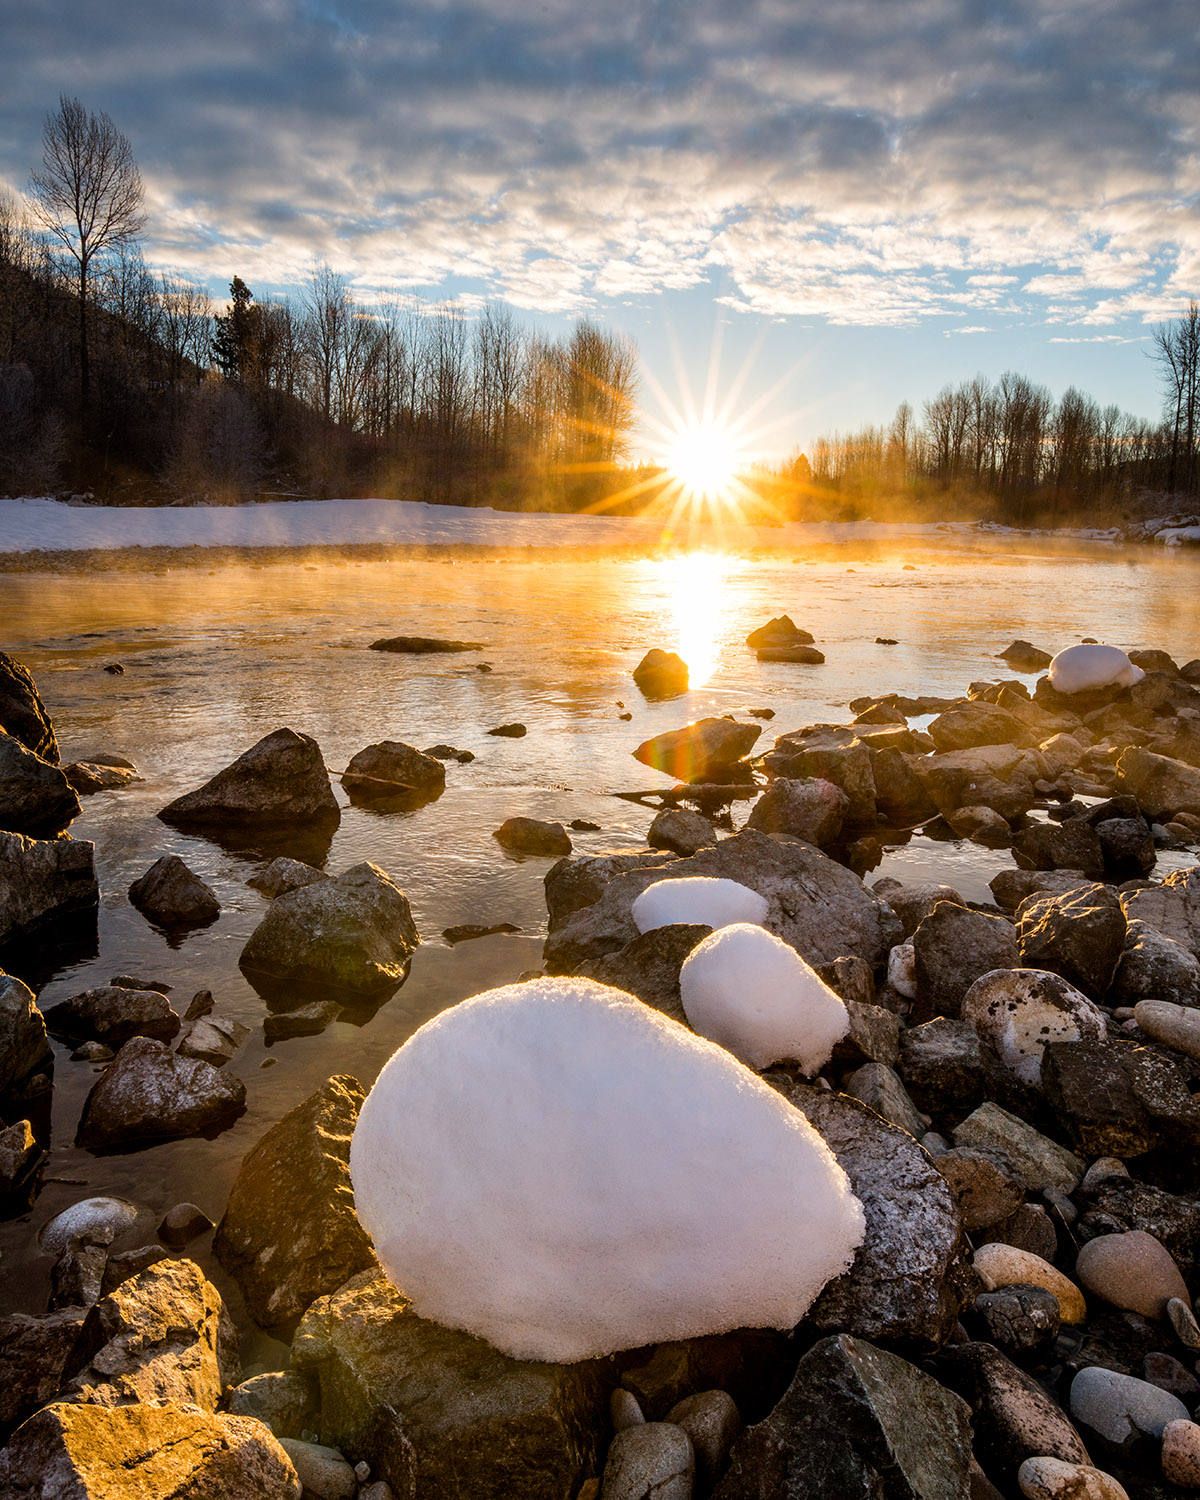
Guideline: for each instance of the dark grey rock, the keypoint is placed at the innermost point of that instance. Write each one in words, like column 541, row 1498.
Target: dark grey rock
column 952, row 948
column 649, row 966
column 283, row 875
column 1020, row 1320
column 947, row 1069
column 112, row 1014
column 280, row 780
column 43, row 881
column 986, row 1188
column 1073, row 845
column 34, row 1350
column 1028, row 1227
column 651, row 1458
column 182, row 1223
column 423, row 645
column 215, row 1039
column 580, row 881
column 77, row 1278
column 846, row 766
column 681, row 831
column 23, row 1045
column 1128, row 847
column 1092, row 1093
column 150, row 1093
column 22, row 712
column 1080, row 935
column 389, row 767
column 172, row 895
column 533, row 836
column 1154, row 967
column 35, row 797
column 1115, row 1204
column 913, row 903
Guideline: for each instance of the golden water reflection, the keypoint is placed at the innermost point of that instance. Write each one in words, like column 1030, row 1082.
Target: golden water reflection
column 697, row 593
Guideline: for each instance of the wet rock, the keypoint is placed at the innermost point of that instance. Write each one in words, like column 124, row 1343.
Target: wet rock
column 1041, row 1162
column 424, row 645
column 1019, row 1319
column 810, row 809
column 130, row 1263
column 910, row 1276
column 101, row 1219
column 661, row 674
column 753, row 1365
column 96, row 1452
column 150, row 1093
column 1080, row 935
column 1073, row 845
column 952, row 948
column 383, row 769
column 1091, row 1090
column 183, row 1223
column 879, row 1088
column 653, row 1459
column 20, row 1155
column 533, row 836
column 509, row 731
column 1022, row 657
column 431, row 1408
column 1128, row 847
column 701, row 751
column 808, row 655
column 1120, row 1409
column 215, row 1039
column 22, row 712
column 112, row 1014
column 1018, row 1012
column 323, row 1472
column 649, row 966
column 290, row 1233
column 282, row 1400
column 967, row 725
column 280, row 780
column 44, row 880
column 35, row 797
column 172, row 895
column 1172, row 908
column 305, row 1020
column 1161, row 785
column 1133, row 1271
column 855, row 1421
column 23, row 1045
column 681, row 831
column 781, row 630
column 34, row 1350
column 1000, row 1265
column 283, row 875
column 354, row 933
column 712, row 1421
column 986, row 1189
column 947, row 1070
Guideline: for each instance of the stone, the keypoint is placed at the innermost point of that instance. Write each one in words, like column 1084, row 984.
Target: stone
column 701, row 751
column 910, row 1276
column 913, row 903
column 23, row 1045
column 900, row 796
column 1155, row 967
column 423, row 645
column 34, row 1350
column 78, row 1275
column 435, row 1411
column 130, row 1263
column 1080, row 935
column 1172, row 908
column 35, row 797
column 305, row 1020
column 580, row 881
column 290, row 1233
column 952, row 948
column 846, row 766
column 902, row 970
column 899, row 1434
column 280, row 780
column 1019, row 1318
column 1161, row 785
column 509, row 731
column 286, row 1402
column 754, row 1365
column 816, row 905
column 150, row 1093
column 533, row 836
column 1132, row 1270
column 682, row 831
column 624, row 1409
column 87, row 778
column 1165, row 1371
column 1041, row 1162
column 1022, row 657
column 22, row 712
column 1128, row 847
column 1073, row 845
column 810, row 809
column 215, row 1039
column 145, row 1450
column 873, row 1035
column 112, row 1014
column 649, row 966
column 712, row 1421
column 43, row 881
column 879, row 1088
column 1052, row 1479
column 323, row 1472
column 1091, row 1089
column 283, row 875
column 182, row 1223
column 1175, row 1026
column 1003, row 1265
column 20, row 1155
column 390, row 767
column 967, row 725
column 661, row 674
column 1183, row 1323
column 172, row 895
column 1120, row 1409
column 1018, row 1012
column 809, row 655
column 779, row 631
column 1011, row 887
column 985, row 1187
column 1028, row 1227
column 654, row 1459
column 354, row 933
column 1181, row 1454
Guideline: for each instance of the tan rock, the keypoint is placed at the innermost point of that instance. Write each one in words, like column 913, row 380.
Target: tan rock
column 1004, row 1265
column 1175, row 1026
column 1053, row 1479
column 1133, row 1271
column 1181, row 1454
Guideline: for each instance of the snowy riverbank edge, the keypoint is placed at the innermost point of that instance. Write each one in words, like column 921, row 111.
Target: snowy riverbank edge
column 42, row 525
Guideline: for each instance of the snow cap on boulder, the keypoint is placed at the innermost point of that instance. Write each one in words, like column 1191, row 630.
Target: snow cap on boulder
column 557, row 1168
column 1080, row 669
column 710, row 901
column 751, row 993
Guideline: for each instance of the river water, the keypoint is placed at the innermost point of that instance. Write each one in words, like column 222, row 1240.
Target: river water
column 216, row 658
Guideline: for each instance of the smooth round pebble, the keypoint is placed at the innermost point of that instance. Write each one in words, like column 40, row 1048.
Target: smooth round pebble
column 1054, row 1479
column 1181, row 1454
column 655, row 1458
column 1122, row 1407
column 323, row 1471
column 902, row 970
column 712, row 1421
column 1183, row 1321
column 95, row 1217
column 1005, row 1265
column 624, row 1409
column 1133, row 1271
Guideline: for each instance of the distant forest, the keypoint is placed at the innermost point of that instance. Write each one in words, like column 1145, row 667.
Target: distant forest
column 128, row 384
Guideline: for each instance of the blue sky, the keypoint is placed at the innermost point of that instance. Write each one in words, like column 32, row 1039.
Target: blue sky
column 860, row 200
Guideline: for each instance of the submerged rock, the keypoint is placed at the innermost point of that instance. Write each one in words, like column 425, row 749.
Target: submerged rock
column 35, row 797
column 281, row 779
column 533, row 836
column 22, row 712
column 112, row 1014
column 389, row 767
column 423, row 645
column 172, row 895
column 661, row 674
column 283, row 875
column 151, row 1093
column 42, row 881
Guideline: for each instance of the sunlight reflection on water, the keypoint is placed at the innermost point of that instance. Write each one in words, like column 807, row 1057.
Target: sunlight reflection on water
column 695, row 585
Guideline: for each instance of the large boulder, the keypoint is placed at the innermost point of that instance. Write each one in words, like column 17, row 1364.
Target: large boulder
column 661, row 674
column 290, row 1233
column 703, row 751
column 855, row 1421
column 353, row 933
column 22, row 712
column 967, row 725
column 280, row 780
column 1161, row 785
column 808, row 809
column 34, row 1350
column 1155, row 967
column 438, row 1412
column 391, row 767
column 574, row 883
column 112, row 1014
column 826, row 756
column 35, row 797
column 43, row 880
column 151, row 1093
column 818, row 906
column 1080, row 935
column 952, row 948
column 648, row 967
column 23, row 1045
column 1172, row 908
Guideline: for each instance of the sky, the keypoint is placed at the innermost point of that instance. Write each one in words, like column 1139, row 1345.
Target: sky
column 810, row 212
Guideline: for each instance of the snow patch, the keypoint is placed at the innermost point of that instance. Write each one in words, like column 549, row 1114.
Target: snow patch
column 708, row 900
column 1081, row 668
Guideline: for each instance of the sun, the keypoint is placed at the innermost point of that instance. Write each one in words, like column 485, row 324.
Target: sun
column 704, row 459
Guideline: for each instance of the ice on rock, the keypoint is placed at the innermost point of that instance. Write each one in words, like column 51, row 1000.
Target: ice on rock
column 707, row 900
column 1081, row 668
column 751, row 993
column 557, row 1168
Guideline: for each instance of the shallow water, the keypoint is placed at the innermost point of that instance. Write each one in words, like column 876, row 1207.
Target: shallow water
column 214, row 659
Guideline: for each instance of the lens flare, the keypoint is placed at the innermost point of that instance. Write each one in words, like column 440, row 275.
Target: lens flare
column 704, row 458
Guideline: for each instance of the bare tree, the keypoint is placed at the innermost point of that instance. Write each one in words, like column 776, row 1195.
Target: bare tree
column 88, row 195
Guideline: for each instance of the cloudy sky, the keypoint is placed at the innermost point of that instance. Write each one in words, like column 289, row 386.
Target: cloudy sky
column 855, row 201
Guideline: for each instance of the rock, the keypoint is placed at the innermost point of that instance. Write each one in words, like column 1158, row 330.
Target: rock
column 290, row 1233
column 280, row 780
column 172, row 895
column 701, row 751
column 389, row 768
column 814, row 904
column 1183, row 1323
column 20, row 1155
column 23, row 1045
column 1155, row 967
column 1131, row 1270
column 874, row 1034
column 533, row 836
column 35, row 797
column 913, row 903
column 353, row 933
column 467, row 932
column 681, row 831
column 44, row 880
column 810, row 809
column 900, row 796
column 1120, row 1409
column 436, row 1411
column 1175, row 1026
column 825, row 757
column 153, row 1450
column 652, row 1459
column 215, row 1039
column 1041, row 1162
column 1011, row 887
column 1018, row 1318
column 967, row 725
column 1128, row 847
column 1003, row 1265
column 809, row 655
column 779, row 631
column 98, row 1219
column 1165, row 1371
column 448, row 752
column 1172, row 908
column 162, row 1335
column 33, row 1353
column 947, row 1069
column 649, row 966
column 1116, row 1204
column 985, row 1187
column 305, row 1020
column 880, row 1089
column 661, row 674
column 1181, row 1454
column 150, row 1093
column 282, row 1400
column 87, row 778
column 753, row 1365
column 574, row 883
column 22, row 712
column 323, row 1472
column 1080, row 935
column 1022, row 657
column 182, row 1224
column 423, row 645
column 1073, row 845
column 78, row 1275
column 1161, row 784
column 112, row 1014
column 982, row 826
column 712, row 1421
column 909, row 1277
column 951, row 949
column 283, row 875
column 130, row 1263
column 1052, row 1479
column 624, row 1409
column 1018, row 1012
column 1029, row 1228
column 900, row 1435
column 509, row 731
column 1091, row 1089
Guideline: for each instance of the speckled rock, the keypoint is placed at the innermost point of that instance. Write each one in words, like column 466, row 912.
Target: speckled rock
column 1131, row 1270
column 150, row 1093
column 1018, row 1318
column 1019, row 1011
column 652, row 1461
column 1004, row 1265
column 1181, row 1454
column 1052, row 1479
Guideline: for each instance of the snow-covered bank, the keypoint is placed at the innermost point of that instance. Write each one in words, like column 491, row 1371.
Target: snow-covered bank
column 46, row 525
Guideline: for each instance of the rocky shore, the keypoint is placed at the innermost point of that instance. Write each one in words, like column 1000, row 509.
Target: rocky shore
column 1014, row 1100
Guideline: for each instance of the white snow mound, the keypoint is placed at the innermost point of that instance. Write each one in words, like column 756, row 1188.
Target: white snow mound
column 753, row 994
column 558, row 1168
column 1079, row 668
column 708, row 900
